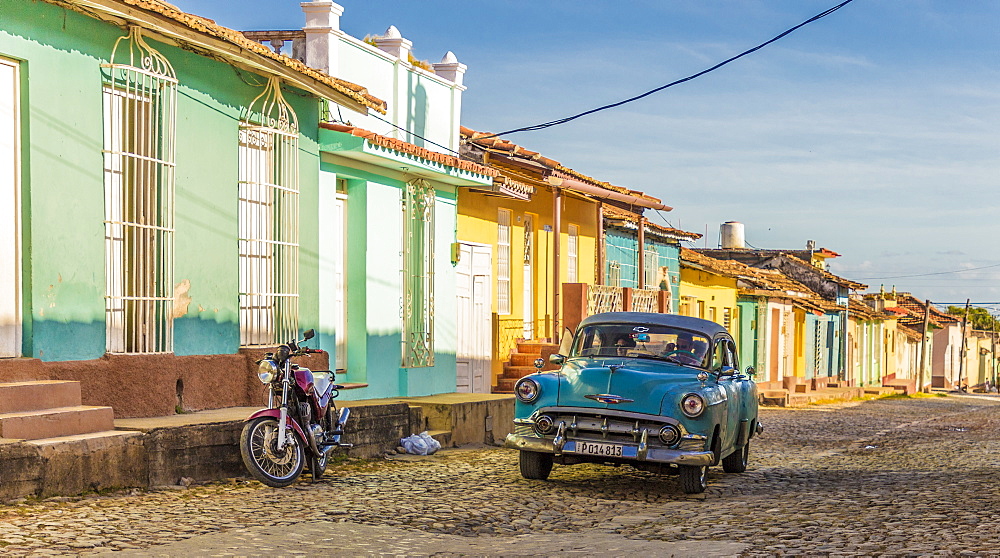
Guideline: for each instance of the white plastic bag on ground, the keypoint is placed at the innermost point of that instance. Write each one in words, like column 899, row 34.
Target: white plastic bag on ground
column 432, row 444
column 420, row 444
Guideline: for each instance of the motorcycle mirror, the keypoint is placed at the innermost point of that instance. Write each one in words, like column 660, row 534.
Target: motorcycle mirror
column 309, row 334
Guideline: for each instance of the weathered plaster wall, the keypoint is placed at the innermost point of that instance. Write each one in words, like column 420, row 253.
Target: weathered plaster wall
column 64, row 282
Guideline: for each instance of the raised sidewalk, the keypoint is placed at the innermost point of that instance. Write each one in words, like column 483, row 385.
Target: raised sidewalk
column 204, row 446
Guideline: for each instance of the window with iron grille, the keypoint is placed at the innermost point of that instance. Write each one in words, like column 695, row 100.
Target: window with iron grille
column 503, row 261
column 614, row 273
column 572, row 258
column 140, row 100
column 268, row 220
column 418, row 274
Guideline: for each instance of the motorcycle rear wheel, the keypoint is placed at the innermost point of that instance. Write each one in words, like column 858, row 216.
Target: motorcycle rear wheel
column 263, row 459
column 317, row 465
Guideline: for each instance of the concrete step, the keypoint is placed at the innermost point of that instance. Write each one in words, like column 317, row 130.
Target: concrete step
column 536, row 347
column 515, row 372
column 19, row 397
column 774, row 397
column 523, row 359
column 442, row 436
column 75, row 464
column 504, row 385
column 57, row 422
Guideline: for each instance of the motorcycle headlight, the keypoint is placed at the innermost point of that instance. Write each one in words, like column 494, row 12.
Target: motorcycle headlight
column 692, row 405
column 267, row 371
column 526, row 390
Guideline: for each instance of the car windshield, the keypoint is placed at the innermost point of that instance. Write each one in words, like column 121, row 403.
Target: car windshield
column 641, row 341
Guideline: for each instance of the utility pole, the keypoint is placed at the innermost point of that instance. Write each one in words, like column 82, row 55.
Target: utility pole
column 923, row 346
column 961, row 350
column 993, row 352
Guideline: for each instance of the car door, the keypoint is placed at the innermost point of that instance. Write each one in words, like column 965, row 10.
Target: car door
column 745, row 399
column 724, row 365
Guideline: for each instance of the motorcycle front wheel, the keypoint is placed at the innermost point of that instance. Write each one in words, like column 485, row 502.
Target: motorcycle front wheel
column 262, row 457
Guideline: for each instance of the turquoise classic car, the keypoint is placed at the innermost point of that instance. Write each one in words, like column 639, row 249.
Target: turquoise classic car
column 659, row 392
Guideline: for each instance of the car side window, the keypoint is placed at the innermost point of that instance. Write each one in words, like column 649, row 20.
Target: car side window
column 725, row 355
column 733, row 355
column 719, row 356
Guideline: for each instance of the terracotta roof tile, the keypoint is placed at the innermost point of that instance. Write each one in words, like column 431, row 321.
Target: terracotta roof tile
column 762, row 282
column 488, row 141
column 409, row 148
column 613, row 213
column 832, row 277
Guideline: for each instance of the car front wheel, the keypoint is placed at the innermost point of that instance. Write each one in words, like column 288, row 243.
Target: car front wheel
column 535, row 465
column 693, row 479
column 736, row 462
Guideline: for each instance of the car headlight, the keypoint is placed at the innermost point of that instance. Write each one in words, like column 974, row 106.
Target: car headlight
column 526, row 390
column 692, row 405
column 267, row 371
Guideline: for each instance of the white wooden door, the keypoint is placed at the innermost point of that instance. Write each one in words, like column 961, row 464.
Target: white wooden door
column 10, row 253
column 474, row 348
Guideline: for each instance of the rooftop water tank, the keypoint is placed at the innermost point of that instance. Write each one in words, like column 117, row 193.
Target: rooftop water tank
column 732, row 236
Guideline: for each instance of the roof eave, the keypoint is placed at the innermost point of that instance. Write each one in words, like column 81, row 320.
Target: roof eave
column 172, row 32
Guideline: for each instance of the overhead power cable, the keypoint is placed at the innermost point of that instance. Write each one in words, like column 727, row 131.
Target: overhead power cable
column 671, row 84
column 927, row 274
column 414, row 134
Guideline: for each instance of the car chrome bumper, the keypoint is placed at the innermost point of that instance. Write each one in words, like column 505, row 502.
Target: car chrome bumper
column 636, row 452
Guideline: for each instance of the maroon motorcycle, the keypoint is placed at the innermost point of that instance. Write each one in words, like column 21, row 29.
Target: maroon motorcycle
column 301, row 420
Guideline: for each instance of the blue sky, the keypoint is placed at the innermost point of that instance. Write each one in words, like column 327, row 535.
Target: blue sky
column 874, row 131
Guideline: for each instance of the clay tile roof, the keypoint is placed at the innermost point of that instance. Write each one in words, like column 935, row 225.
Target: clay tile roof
column 488, row 141
column 616, row 214
column 826, row 274
column 409, row 148
column 762, row 282
column 858, row 309
column 208, row 27
column 911, row 333
column 916, row 308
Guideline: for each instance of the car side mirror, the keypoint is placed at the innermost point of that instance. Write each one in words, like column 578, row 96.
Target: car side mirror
column 309, row 334
column 539, row 363
column 556, row 359
column 727, row 371
column 751, row 371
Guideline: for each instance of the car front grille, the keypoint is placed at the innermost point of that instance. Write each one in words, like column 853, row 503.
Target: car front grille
column 605, row 428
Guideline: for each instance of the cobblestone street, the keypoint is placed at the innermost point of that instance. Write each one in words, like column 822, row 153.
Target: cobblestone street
column 897, row 477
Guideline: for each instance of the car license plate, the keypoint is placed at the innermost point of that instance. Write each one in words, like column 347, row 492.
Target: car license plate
column 592, row 448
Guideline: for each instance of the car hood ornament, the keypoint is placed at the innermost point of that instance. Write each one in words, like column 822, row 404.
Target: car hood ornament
column 609, row 399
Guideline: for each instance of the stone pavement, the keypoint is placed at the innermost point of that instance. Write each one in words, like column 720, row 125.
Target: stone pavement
column 893, row 477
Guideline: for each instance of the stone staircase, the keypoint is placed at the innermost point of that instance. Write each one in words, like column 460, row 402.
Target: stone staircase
column 52, row 444
column 522, row 363
column 49, row 409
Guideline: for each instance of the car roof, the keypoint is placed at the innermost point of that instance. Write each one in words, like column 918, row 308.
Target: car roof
column 708, row 328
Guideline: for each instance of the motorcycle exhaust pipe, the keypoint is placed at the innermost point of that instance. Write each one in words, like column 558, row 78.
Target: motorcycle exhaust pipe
column 345, row 413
